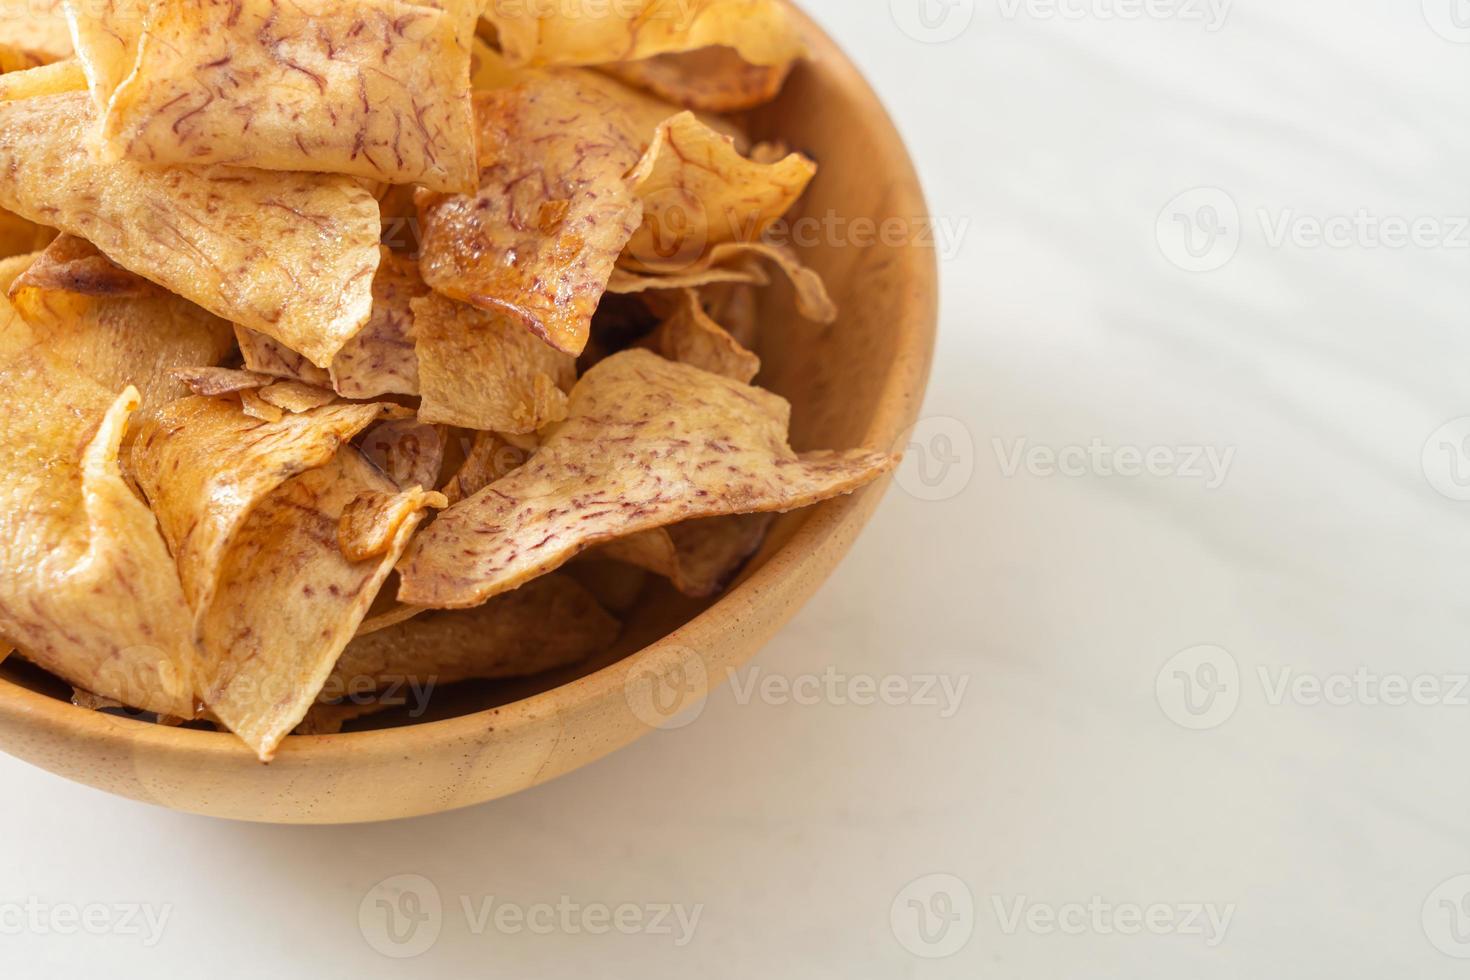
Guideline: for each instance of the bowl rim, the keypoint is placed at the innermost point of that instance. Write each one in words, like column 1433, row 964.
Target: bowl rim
column 822, row 538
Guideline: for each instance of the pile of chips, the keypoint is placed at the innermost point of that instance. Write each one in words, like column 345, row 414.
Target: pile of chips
column 348, row 342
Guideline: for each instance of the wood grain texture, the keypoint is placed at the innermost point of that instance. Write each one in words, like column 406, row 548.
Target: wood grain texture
column 857, row 382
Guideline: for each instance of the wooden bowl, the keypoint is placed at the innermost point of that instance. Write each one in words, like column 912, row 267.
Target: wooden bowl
column 856, row 383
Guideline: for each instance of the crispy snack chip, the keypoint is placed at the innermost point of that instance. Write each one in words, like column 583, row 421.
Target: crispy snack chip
column 291, row 255
column 373, row 88
column 542, row 34
column 204, row 466
column 106, row 34
column 698, row 191
column 289, row 598
column 690, row 336
column 116, row 327
column 700, row 557
column 32, row 32
column 378, row 361
column 713, row 79
column 87, row 588
column 554, row 210
column 548, row 623
column 481, row 370
column 407, row 451
column 730, row 263
column 647, row 443
column 54, row 79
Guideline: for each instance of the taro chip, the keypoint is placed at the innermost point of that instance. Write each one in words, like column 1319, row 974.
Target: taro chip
column 106, row 34
column 698, row 191
column 87, row 587
column 204, row 465
column 32, row 32
column 215, row 382
column 375, row 88
column 481, row 370
column 54, row 79
column 548, row 623
column 407, row 451
column 289, row 254
column 762, row 32
column 690, row 336
column 812, row 299
column 490, row 456
column 289, row 598
column 378, row 361
column 713, row 79
column 114, row 326
column 647, row 443
column 554, row 210
column 700, row 558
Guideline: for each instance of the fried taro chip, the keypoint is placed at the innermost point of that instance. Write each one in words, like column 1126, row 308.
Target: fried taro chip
column 63, row 76
column 290, row 598
column 291, row 255
column 116, row 327
column 32, row 32
column 700, row 557
column 87, row 587
column 698, row 192
column 21, row 237
column 407, row 451
column 714, row 79
column 490, row 456
column 812, row 299
column 625, row 283
column 481, row 370
column 214, row 382
column 541, row 34
column 375, row 88
column 553, row 212
column 106, row 34
column 204, row 466
column 690, row 336
column 378, row 361
column 547, row 623
column 647, row 443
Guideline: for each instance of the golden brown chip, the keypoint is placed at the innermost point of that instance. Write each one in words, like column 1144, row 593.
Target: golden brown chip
column 812, row 299
column 554, row 210
column 625, row 283
column 115, row 327
column 32, row 32
column 547, row 623
column 490, row 456
column 690, row 336
column 699, row 557
column 378, row 361
column 288, row 599
column 295, row 396
column 373, row 88
column 87, row 588
column 204, row 466
column 407, row 451
column 213, row 382
column 615, row 585
column 291, row 255
column 539, row 34
column 699, row 192
column 480, row 370
column 106, row 35
column 647, row 443
column 63, row 76
column 714, row 79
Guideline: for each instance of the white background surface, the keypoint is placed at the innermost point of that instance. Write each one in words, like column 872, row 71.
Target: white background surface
column 1062, row 777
